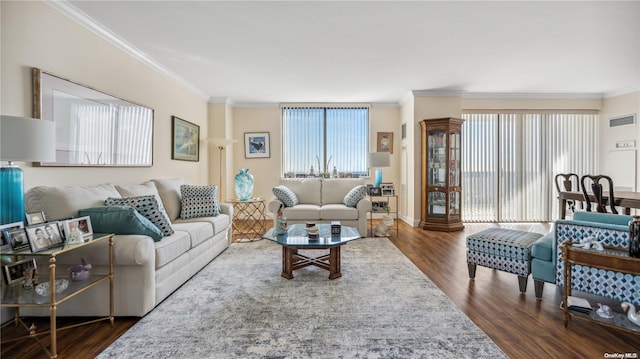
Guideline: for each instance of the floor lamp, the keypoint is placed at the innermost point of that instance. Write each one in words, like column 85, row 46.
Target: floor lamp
column 21, row 140
column 378, row 160
column 222, row 143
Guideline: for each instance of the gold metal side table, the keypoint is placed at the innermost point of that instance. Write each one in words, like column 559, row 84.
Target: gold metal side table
column 248, row 219
column 15, row 296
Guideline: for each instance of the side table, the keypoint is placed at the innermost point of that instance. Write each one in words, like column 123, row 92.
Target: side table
column 393, row 213
column 15, row 296
column 248, row 219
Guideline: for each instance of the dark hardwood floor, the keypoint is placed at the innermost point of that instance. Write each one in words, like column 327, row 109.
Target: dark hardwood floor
column 520, row 325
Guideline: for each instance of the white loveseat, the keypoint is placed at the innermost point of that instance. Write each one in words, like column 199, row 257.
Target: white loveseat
column 322, row 201
column 145, row 271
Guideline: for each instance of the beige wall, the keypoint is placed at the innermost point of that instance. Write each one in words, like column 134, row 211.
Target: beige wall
column 617, row 106
column 35, row 35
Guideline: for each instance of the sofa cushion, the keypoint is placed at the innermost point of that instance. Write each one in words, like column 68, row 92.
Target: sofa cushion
column 220, row 223
column 334, row 190
column 543, row 247
column 284, row 195
column 169, row 190
column 198, row 231
column 199, row 201
column 61, row 202
column 171, row 247
column 148, row 207
column 306, row 189
column 354, row 196
column 338, row 212
column 302, row 212
column 120, row 220
column 145, row 189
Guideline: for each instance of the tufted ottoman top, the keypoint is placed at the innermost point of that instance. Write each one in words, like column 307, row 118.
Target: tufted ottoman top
column 502, row 242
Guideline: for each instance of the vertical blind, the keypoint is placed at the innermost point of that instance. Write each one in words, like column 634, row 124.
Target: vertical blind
column 325, row 137
column 510, row 159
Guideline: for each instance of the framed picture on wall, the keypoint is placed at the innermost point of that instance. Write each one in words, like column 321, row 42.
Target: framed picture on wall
column 385, row 142
column 185, row 140
column 257, row 145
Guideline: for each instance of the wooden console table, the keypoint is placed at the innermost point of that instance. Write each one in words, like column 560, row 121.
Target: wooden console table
column 613, row 259
column 626, row 200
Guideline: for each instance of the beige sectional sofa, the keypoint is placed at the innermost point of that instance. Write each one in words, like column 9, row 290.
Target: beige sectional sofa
column 146, row 271
column 322, row 201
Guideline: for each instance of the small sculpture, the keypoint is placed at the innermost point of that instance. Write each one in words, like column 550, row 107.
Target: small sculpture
column 383, row 229
column 604, row 311
column 30, row 278
column 80, row 272
column 590, row 242
column 632, row 315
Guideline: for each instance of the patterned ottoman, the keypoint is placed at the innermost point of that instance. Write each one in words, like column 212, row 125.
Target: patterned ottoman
column 504, row 249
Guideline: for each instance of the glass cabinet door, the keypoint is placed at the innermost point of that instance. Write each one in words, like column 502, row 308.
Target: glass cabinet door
column 437, row 157
column 454, row 158
column 436, row 204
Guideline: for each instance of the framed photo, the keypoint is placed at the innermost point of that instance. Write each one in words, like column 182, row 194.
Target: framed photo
column 5, row 243
column 257, row 145
column 43, row 236
column 385, row 142
column 185, row 140
column 375, row 191
column 15, row 272
column 35, row 218
column 18, row 239
column 77, row 230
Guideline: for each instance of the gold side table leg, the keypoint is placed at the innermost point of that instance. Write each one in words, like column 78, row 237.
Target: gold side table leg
column 111, row 305
column 52, row 314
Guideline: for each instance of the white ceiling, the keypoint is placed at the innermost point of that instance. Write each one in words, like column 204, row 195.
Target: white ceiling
column 377, row 51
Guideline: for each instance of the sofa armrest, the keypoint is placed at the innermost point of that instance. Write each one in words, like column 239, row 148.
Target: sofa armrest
column 128, row 250
column 227, row 209
column 364, row 206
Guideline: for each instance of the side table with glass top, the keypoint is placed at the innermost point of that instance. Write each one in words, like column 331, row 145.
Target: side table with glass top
column 248, row 219
column 15, row 296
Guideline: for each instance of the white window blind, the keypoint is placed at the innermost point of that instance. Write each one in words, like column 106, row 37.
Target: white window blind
column 509, row 162
column 324, row 137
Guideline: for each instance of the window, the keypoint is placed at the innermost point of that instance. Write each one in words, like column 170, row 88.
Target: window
column 325, row 137
column 509, row 162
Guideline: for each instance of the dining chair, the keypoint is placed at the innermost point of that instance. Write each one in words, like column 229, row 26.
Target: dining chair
column 596, row 189
column 568, row 182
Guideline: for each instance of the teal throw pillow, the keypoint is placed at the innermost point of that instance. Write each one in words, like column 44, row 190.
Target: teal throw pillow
column 285, row 195
column 120, row 220
column 148, row 207
column 355, row 195
column 199, row 201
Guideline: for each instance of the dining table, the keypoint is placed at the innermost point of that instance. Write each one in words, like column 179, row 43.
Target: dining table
column 624, row 199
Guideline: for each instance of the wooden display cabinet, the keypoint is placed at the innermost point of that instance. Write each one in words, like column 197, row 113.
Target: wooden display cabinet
column 441, row 174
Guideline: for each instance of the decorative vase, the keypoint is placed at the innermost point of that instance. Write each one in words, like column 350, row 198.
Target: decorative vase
column 634, row 237
column 244, row 184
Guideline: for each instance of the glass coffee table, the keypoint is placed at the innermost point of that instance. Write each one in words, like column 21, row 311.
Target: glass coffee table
column 297, row 238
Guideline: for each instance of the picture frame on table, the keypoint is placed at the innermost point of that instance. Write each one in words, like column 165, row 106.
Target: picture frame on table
column 15, row 272
column 35, row 218
column 78, row 230
column 5, row 243
column 18, row 240
column 375, row 191
column 257, row 145
column 44, row 236
column 385, row 142
column 185, row 140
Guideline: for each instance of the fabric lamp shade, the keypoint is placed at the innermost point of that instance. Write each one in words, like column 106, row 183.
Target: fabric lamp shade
column 378, row 160
column 21, row 140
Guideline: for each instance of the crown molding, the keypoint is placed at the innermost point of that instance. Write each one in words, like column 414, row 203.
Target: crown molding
column 92, row 25
column 622, row 92
column 437, row 93
column 532, row 95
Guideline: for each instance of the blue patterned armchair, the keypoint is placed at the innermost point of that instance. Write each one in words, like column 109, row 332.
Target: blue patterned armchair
column 612, row 230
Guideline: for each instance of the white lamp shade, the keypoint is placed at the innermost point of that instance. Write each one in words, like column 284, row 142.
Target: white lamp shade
column 25, row 139
column 379, row 159
column 222, row 142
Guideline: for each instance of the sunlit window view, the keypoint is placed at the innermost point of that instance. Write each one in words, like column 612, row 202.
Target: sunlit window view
column 325, row 140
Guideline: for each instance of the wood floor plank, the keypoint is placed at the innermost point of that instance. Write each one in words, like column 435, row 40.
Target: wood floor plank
column 520, row 325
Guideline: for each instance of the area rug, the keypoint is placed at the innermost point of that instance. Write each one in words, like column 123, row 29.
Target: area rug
column 240, row 307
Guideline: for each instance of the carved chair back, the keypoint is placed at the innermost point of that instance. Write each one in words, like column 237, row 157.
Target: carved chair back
column 596, row 189
column 568, row 182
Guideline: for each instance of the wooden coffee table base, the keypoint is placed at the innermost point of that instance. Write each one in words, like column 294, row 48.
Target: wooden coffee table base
column 292, row 260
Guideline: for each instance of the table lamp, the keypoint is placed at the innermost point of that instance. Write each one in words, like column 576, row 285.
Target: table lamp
column 21, row 140
column 378, row 160
column 222, row 143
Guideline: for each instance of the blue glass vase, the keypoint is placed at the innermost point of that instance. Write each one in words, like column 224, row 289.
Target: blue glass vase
column 12, row 195
column 244, row 184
